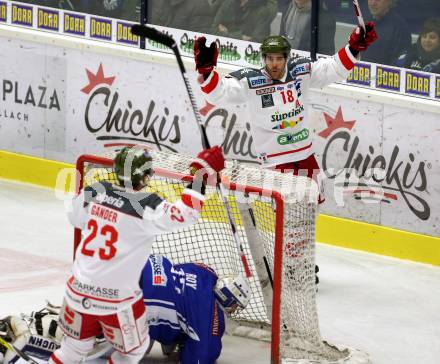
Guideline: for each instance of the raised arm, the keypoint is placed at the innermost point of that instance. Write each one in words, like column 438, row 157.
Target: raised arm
column 337, row 68
column 216, row 89
column 169, row 217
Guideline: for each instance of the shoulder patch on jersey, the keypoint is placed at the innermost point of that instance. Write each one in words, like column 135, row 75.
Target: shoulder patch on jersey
column 259, row 81
column 152, row 200
column 118, row 198
column 299, row 66
column 245, row 73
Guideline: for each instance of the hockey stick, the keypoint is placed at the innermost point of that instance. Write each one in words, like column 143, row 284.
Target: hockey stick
column 360, row 18
column 17, row 351
column 166, row 40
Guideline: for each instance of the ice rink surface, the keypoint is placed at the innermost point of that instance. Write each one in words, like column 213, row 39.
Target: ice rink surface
column 386, row 307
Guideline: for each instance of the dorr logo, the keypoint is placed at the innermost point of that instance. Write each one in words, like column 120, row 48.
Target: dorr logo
column 360, row 75
column 74, row 24
column 372, row 176
column 437, row 87
column 48, row 19
column 100, row 28
column 3, row 12
column 388, row 78
column 22, row 15
column 124, row 34
column 122, row 120
column 417, row 84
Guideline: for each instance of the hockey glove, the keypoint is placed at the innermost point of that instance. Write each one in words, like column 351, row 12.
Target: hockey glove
column 205, row 58
column 360, row 40
column 208, row 162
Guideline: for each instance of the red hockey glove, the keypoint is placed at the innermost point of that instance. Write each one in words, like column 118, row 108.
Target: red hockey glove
column 360, row 41
column 206, row 58
column 209, row 162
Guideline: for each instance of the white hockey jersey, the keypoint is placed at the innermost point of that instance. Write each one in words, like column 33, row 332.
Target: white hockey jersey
column 277, row 115
column 119, row 228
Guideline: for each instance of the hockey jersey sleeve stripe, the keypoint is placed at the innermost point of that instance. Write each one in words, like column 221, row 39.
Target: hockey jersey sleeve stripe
column 210, row 83
column 346, row 58
column 290, row 151
column 193, row 199
column 55, row 359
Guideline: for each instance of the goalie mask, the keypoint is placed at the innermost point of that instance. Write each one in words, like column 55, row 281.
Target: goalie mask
column 232, row 292
column 131, row 165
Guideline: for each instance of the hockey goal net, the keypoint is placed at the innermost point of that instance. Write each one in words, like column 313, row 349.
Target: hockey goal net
column 283, row 208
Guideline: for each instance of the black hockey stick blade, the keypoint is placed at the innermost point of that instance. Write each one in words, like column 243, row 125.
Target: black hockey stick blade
column 153, row 34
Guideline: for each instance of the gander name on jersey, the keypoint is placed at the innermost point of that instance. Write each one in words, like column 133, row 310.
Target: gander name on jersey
column 104, row 213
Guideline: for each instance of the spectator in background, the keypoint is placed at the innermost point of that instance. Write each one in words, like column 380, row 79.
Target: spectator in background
column 118, row 9
column 194, row 15
column 282, row 4
column 296, row 26
column 392, row 29
column 245, row 19
column 425, row 54
column 60, row 4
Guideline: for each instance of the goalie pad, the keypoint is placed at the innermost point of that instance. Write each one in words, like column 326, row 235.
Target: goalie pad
column 38, row 335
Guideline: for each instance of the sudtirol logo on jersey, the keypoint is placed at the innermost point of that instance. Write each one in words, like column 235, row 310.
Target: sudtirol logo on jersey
column 280, row 117
column 158, row 271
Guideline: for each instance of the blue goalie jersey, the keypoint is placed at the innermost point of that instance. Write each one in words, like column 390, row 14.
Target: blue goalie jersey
column 181, row 307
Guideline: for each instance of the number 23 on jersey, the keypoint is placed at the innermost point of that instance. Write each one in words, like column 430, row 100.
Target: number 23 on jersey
column 106, row 232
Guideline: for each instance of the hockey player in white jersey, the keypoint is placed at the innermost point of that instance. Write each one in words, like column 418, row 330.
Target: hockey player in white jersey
column 185, row 304
column 185, row 308
column 276, row 95
column 119, row 224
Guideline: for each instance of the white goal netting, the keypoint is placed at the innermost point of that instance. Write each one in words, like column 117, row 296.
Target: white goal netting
column 283, row 207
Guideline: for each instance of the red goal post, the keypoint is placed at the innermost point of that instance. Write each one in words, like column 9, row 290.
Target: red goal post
column 284, row 207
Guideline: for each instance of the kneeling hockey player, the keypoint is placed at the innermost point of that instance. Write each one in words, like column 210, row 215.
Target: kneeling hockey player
column 185, row 304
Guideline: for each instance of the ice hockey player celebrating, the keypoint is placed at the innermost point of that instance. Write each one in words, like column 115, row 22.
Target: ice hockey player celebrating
column 119, row 223
column 184, row 307
column 276, row 95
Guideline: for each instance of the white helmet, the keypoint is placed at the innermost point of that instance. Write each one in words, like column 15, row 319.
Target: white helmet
column 232, row 292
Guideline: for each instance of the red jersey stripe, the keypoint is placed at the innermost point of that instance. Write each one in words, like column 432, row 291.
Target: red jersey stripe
column 192, row 202
column 345, row 59
column 212, row 84
column 289, row 151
